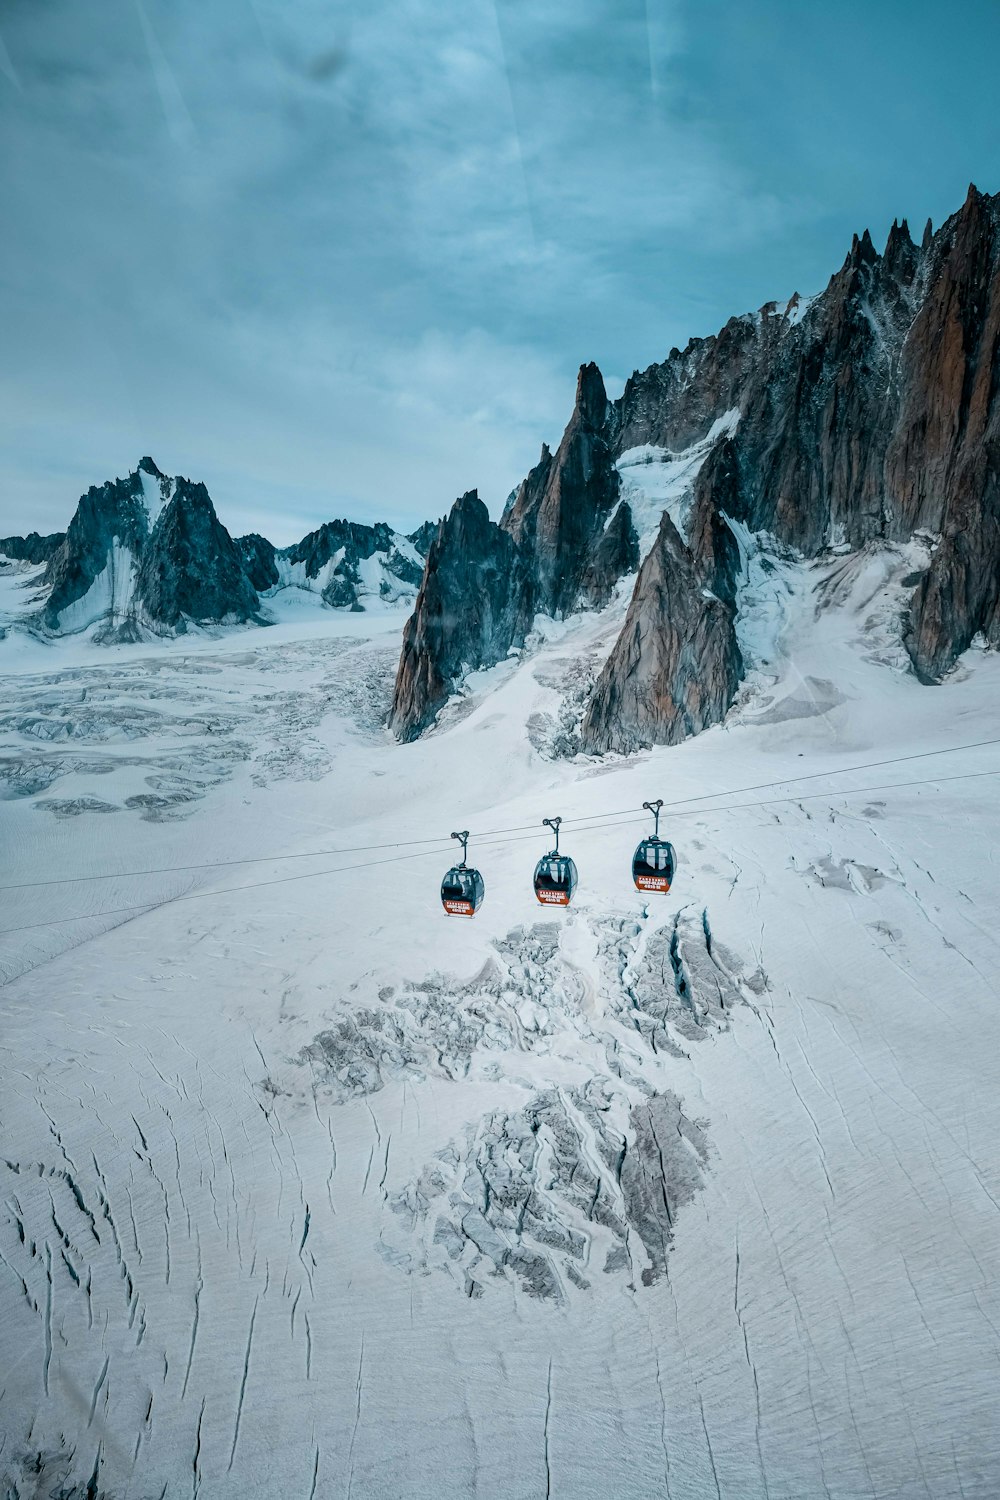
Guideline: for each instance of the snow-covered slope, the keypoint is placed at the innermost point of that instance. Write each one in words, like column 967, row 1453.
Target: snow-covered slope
column 310, row 1190
column 656, row 480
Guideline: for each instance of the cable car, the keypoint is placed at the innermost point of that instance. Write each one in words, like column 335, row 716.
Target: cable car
column 555, row 873
column 654, row 860
column 462, row 889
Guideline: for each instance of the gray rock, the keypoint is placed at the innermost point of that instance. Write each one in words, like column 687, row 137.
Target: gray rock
column 191, row 569
column 676, row 665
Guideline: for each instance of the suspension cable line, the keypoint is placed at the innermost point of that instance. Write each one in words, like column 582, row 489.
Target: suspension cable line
column 442, row 844
column 699, row 812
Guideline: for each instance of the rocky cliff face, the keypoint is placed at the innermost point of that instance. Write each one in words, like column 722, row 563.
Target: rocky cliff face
column 943, row 464
column 558, row 517
column 191, row 569
column 145, row 553
column 33, row 549
column 258, row 555
column 871, row 411
column 473, row 605
column 675, row 667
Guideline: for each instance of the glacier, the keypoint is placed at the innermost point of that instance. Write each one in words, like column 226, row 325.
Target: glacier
column 310, row 1190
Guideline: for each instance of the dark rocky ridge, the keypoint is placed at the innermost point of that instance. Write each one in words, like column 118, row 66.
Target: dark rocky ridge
column 258, row 555
column 355, row 542
column 191, row 568
column 870, row 412
column 183, row 567
column 560, row 542
column 160, row 559
column 471, row 608
column 32, row 548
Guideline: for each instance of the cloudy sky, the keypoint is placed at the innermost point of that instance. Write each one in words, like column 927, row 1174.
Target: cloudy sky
column 345, row 258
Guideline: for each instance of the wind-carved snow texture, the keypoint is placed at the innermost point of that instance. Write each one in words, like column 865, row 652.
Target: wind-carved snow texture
column 171, row 728
column 579, row 1179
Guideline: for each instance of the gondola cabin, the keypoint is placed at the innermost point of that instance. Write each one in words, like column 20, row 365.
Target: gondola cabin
column 462, row 891
column 555, row 874
column 555, row 879
column 654, row 861
column 653, row 865
column 463, row 888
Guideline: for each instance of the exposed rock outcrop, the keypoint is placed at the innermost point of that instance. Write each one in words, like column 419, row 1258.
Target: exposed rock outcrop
column 559, row 515
column 868, row 412
column 145, row 553
column 91, row 575
column 32, row 548
column 473, row 605
column 943, row 466
column 191, row 569
column 258, row 556
column 676, row 665
column 615, row 553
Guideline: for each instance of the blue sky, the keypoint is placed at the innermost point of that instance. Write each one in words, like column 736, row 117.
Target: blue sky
column 345, row 259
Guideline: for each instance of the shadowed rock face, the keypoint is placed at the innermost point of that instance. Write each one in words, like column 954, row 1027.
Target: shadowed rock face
column 870, row 412
column 675, row 667
column 615, row 554
column 944, row 463
column 560, row 511
column 258, row 556
column 32, row 548
column 560, row 542
column 471, row 608
column 191, row 568
column 146, row 554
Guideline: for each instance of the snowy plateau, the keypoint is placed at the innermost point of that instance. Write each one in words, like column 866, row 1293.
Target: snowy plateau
column 307, row 1190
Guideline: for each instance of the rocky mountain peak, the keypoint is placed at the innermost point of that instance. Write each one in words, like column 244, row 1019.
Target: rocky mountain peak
column 591, row 397
column 473, row 605
column 147, row 465
column 676, row 665
column 861, row 253
column 873, row 414
column 191, row 569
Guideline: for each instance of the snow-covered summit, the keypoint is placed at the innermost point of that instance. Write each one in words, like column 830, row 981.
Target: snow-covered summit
column 147, row 555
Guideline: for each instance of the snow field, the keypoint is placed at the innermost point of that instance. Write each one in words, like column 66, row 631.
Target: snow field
column 308, row 1189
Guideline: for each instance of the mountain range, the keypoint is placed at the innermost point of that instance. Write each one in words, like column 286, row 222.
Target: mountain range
column 148, row 554
column 869, row 414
